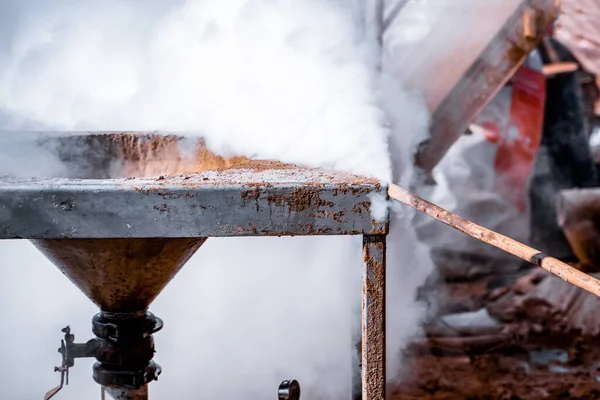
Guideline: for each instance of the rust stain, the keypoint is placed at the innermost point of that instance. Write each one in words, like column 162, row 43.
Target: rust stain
column 253, row 228
column 300, row 199
column 338, row 216
column 363, row 206
column 378, row 228
column 251, row 195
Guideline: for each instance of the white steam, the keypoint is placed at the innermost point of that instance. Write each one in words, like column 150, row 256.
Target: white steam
column 292, row 80
column 283, row 79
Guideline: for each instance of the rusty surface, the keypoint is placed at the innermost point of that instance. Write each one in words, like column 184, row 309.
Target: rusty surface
column 259, row 175
column 104, row 155
column 213, row 203
column 127, row 394
column 511, row 246
column 300, row 200
column 120, row 275
column 373, row 318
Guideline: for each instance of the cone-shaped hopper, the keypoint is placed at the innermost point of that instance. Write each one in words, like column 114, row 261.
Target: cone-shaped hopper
column 120, row 275
column 124, row 275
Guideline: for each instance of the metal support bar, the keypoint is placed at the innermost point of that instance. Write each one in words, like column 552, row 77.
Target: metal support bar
column 389, row 19
column 373, row 317
column 492, row 69
column 237, row 202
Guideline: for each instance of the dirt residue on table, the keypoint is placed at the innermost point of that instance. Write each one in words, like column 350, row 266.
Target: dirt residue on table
column 101, row 155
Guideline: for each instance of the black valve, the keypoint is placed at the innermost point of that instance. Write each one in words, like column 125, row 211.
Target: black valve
column 123, row 348
column 289, row 390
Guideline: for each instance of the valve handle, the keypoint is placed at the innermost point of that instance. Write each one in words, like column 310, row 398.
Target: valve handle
column 64, row 367
column 64, row 371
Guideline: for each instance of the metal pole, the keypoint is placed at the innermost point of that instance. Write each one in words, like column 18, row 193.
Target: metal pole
column 126, row 394
column 392, row 15
column 374, row 29
column 374, row 19
column 373, row 317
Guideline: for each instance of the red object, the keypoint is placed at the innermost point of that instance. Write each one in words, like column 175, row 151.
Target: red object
column 514, row 123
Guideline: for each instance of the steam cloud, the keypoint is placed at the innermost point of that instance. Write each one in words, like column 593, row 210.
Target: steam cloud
column 288, row 80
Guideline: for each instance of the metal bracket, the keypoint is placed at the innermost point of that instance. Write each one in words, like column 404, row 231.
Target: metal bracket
column 64, row 368
column 69, row 351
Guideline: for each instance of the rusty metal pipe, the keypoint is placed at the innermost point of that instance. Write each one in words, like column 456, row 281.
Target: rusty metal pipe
column 127, row 394
column 373, row 317
column 556, row 267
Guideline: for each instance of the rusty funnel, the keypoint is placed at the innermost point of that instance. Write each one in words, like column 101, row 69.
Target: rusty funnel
column 124, row 275
column 120, row 275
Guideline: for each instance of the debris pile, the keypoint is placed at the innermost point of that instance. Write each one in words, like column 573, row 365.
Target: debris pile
column 535, row 339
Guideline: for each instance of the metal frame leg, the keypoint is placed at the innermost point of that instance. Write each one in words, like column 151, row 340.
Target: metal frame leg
column 373, row 317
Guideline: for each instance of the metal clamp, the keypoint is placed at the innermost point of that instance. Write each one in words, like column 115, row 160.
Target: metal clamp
column 125, row 329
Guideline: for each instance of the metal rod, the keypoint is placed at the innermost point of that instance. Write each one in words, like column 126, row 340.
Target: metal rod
column 494, row 66
column 374, row 17
column 373, row 317
column 374, row 20
column 392, row 15
column 556, row 267
column 126, row 394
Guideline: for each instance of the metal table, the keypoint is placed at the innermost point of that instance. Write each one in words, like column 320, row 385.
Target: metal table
column 278, row 201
